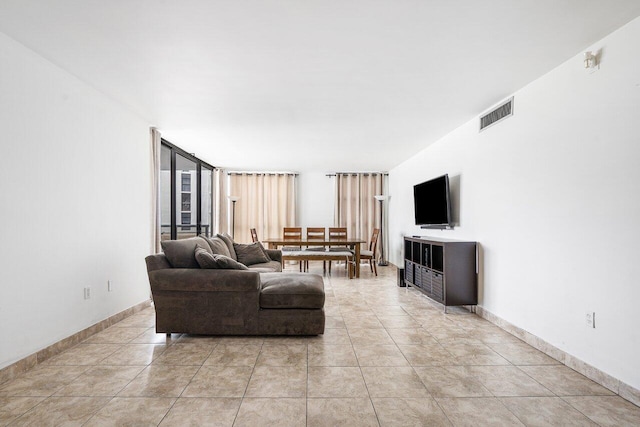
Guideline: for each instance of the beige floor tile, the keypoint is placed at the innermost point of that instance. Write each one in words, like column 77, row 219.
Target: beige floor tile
column 160, row 381
column 332, row 355
column 393, row 381
column 283, row 355
column 42, row 381
column 272, row 412
column 234, row 355
column 134, row 354
column 63, row 411
column 332, row 322
column 386, row 311
column 204, row 340
column 472, row 353
column 352, row 412
column 380, row 355
column 545, row 412
column 151, row 337
column 507, row 381
column 101, row 381
column 409, row 411
column 137, row 321
column 202, row 412
column 219, row 381
column 131, row 411
column 398, row 321
column 451, row 381
column 607, row 411
column 333, row 337
column 366, row 321
column 84, row 354
column 370, row 337
column 278, row 381
column 564, row 381
column 411, row 336
column 12, row 407
column 336, row 382
column 426, row 355
column 115, row 335
column 522, row 354
column 479, row 411
column 185, row 354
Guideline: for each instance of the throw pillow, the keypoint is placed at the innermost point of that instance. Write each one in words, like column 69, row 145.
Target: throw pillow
column 206, row 260
column 229, row 242
column 180, row 253
column 218, row 246
column 250, row 254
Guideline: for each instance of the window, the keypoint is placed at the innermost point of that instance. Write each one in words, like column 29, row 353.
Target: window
column 186, row 199
column 186, row 202
column 186, row 181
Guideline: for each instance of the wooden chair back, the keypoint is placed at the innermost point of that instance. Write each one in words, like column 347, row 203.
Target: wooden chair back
column 337, row 233
column 254, row 235
column 316, row 233
column 292, row 233
column 373, row 243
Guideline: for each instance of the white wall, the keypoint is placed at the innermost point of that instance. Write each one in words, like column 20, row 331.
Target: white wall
column 315, row 199
column 75, row 184
column 552, row 196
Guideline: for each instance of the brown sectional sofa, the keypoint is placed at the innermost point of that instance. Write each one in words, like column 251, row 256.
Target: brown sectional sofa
column 261, row 300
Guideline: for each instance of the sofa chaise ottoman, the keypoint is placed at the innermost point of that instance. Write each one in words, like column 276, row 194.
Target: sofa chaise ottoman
column 258, row 299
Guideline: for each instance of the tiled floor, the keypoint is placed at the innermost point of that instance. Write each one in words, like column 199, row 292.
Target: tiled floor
column 389, row 357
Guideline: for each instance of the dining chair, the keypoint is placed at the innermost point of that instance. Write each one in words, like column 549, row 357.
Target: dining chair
column 338, row 233
column 292, row 234
column 316, row 233
column 254, row 235
column 370, row 254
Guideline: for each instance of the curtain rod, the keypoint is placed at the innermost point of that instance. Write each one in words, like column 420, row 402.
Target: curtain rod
column 261, row 173
column 357, row 173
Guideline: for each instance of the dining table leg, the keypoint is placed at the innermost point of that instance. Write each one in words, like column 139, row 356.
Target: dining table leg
column 357, row 256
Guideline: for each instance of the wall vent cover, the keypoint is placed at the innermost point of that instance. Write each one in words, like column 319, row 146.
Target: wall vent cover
column 501, row 112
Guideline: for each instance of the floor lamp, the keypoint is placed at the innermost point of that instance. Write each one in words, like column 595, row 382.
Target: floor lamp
column 234, row 199
column 381, row 198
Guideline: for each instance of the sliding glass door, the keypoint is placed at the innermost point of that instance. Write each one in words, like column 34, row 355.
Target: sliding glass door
column 186, row 198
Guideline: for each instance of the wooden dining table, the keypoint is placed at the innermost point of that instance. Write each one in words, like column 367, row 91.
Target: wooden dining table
column 352, row 242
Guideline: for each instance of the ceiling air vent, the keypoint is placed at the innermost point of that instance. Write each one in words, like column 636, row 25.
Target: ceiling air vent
column 499, row 113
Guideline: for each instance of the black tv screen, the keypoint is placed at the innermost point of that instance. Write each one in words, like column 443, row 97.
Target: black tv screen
column 432, row 203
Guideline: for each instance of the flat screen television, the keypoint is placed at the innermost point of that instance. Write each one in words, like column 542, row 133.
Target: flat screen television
column 432, row 203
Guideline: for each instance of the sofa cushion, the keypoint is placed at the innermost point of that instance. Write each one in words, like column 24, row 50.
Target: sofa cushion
column 250, row 254
column 291, row 290
column 266, row 267
column 218, row 246
column 229, row 242
column 207, row 260
column 181, row 253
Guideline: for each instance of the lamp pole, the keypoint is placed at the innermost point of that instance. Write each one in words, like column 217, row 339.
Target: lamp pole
column 381, row 198
column 233, row 199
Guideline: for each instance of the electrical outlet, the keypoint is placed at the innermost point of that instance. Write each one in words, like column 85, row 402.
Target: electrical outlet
column 591, row 319
column 87, row 293
column 109, row 286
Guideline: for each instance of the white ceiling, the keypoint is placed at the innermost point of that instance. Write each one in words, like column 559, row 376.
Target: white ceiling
column 309, row 85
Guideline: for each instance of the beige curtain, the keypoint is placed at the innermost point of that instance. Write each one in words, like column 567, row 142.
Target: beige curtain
column 221, row 204
column 156, row 141
column 266, row 202
column 355, row 206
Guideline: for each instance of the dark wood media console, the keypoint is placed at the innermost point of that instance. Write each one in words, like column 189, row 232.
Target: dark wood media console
column 445, row 270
